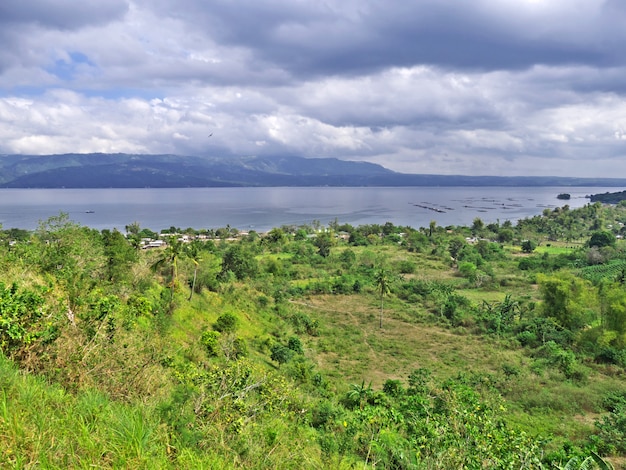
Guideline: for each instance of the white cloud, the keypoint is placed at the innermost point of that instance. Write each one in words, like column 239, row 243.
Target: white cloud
column 476, row 87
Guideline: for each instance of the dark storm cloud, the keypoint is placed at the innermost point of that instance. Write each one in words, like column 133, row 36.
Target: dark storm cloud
column 313, row 38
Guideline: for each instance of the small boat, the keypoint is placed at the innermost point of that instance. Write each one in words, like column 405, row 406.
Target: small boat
column 89, row 212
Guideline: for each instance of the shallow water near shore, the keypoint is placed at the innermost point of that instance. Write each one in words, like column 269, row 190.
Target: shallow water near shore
column 264, row 208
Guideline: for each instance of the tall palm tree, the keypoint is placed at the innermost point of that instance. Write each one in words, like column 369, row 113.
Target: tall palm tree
column 383, row 288
column 170, row 256
column 194, row 253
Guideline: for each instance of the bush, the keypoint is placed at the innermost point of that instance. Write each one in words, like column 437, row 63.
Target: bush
column 467, row 270
column 528, row 264
column 281, row 354
column 323, row 414
column 406, row 267
column 528, row 338
column 210, row 340
column 392, row 387
column 226, row 323
column 295, row 344
column 611, row 437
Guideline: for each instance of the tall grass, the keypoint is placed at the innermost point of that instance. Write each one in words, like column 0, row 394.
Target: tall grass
column 42, row 426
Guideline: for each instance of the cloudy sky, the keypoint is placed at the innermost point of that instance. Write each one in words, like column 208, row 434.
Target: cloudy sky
column 478, row 87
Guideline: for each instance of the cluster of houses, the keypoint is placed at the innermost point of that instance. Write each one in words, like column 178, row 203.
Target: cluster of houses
column 161, row 242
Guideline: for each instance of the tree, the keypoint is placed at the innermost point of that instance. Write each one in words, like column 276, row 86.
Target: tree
column 614, row 319
column 567, row 300
column 431, row 227
column 383, row 288
column 416, row 241
column 193, row 252
column 528, row 246
column 602, row 238
column 505, row 235
column 211, row 340
column 73, row 254
column 240, row 262
column 295, row 345
column 226, row 323
column 119, row 253
column 169, row 257
column 275, row 237
column 281, row 354
column 323, row 242
column 348, row 258
column 455, row 246
column 133, row 235
column 477, row 227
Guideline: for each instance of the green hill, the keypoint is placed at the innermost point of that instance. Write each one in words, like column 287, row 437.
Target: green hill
column 350, row 347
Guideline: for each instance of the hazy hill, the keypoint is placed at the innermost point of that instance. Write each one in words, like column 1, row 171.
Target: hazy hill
column 161, row 171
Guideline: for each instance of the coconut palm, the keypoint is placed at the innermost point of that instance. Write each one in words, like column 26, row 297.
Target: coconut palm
column 194, row 253
column 383, row 288
column 169, row 257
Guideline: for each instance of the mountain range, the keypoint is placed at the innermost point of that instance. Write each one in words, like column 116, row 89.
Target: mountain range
column 120, row 170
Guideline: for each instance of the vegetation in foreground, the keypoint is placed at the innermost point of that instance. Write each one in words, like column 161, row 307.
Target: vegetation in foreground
column 490, row 346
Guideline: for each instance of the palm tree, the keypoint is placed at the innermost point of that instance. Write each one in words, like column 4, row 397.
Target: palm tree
column 170, row 256
column 193, row 252
column 431, row 227
column 360, row 393
column 382, row 285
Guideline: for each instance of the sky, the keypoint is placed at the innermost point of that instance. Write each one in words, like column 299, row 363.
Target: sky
column 474, row 87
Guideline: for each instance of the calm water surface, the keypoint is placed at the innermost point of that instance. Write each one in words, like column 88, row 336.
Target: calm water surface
column 264, row 208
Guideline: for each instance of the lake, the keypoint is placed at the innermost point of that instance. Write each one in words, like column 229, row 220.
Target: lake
column 264, row 208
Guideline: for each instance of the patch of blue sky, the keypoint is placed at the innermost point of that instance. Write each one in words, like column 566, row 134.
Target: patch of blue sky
column 66, row 69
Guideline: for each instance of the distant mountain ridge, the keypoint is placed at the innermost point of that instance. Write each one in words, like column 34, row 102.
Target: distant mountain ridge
column 103, row 170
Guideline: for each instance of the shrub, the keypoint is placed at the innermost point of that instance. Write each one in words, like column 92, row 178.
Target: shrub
column 210, row 340
column 611, row 437
column 406, row 267
column 528, row 246
column 281, row 354
column 467, row 270
column 392, row 387
column 528, row 264
column 322, row 414
column 295, row 344
column 226, row 323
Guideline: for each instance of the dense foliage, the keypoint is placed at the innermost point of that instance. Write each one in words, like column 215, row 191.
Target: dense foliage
column 489, row 346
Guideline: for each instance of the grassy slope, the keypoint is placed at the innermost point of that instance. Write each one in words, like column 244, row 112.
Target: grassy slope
column 350, row 348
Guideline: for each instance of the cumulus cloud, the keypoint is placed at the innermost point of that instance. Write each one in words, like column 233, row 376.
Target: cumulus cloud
column 436, row 86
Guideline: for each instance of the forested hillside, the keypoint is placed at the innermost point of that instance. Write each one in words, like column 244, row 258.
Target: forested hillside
column 120, row 170
column 499, row 345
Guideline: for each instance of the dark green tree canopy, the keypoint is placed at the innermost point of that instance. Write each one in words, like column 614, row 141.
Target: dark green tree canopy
column 602, row 238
